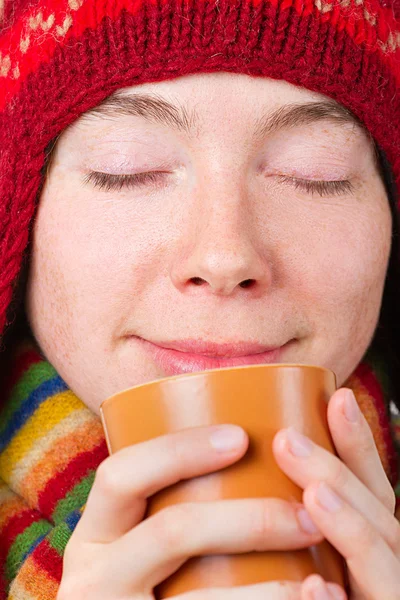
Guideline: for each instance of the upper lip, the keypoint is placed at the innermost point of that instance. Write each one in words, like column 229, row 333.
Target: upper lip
column 213, row 349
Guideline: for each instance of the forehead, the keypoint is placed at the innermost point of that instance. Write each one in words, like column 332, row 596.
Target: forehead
column 186, row 103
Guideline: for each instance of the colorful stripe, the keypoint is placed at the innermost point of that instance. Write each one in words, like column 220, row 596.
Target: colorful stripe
column 29, row 538
column 51, row 453
column 34, row 385
column 51, row 403
column 63, row 443
column 77, row 473
column 34, row 581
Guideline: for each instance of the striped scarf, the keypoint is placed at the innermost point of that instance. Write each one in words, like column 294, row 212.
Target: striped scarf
column 51, row 445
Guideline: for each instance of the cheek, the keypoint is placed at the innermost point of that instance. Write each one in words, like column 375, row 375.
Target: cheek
column 92, row 272
column 48, row 304
column 341, row 284
column 361, row 264
column 347, row 269
column 342, row 251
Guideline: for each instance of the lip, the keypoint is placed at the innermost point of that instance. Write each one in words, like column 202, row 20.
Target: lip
column 191, row 356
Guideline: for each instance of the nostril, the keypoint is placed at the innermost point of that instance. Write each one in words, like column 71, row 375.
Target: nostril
column 247, row 283
column 197, row 280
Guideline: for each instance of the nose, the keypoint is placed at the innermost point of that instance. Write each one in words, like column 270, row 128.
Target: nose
column 221, row 251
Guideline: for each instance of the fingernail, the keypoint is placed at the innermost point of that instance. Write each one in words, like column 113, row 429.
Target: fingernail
column 226, row 438
column 328, row 499
column 306, row 522
column 298, row 443
column 321, row 592
column 351, row 409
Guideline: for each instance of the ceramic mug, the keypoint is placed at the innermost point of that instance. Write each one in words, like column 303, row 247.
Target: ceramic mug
column 261, row 399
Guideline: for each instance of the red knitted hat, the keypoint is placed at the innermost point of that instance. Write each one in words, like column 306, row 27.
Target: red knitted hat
column 59, row 58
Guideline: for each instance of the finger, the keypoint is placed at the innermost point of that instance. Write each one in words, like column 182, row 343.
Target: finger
column 355, row 445
column 313, row 463
column 274, row 590
column 159, row 545
column 370, row 560
column 124, row 480
column 314, row 587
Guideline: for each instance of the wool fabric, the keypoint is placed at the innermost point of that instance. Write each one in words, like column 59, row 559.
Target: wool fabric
column 59, row 58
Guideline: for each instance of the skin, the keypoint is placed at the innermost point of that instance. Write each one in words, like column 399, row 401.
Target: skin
column 107, row 265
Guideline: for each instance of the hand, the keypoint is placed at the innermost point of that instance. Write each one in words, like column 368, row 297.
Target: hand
column 114, row 553
column 358, row 518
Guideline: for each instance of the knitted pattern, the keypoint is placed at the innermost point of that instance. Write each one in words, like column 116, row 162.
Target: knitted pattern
column 50, row 447
column 59, row 58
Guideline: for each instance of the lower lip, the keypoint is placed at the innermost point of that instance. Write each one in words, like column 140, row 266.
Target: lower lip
column 173, row 362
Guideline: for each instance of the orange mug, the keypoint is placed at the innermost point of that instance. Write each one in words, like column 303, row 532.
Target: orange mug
column 261, row 399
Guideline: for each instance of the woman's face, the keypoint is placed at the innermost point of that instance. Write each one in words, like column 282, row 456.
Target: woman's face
column 230, row 234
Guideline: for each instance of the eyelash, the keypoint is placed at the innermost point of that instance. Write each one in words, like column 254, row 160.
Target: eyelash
column 109, row 182
column 323, row 188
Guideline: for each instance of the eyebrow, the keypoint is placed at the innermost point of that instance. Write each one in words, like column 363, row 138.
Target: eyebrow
column 156, row 109
column 295, row 115
column 149, row 106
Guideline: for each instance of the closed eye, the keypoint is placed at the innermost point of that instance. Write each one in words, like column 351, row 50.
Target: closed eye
column 323, row 188
column 109, row 182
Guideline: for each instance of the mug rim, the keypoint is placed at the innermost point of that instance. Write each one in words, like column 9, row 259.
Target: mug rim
column 202, row 373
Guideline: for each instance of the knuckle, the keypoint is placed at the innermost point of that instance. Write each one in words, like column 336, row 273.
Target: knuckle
column 71, row 588
column 263, row 520
column 387, row 496
column 83, row 573
column 366, row 448
column 107, row 477
column 338, row 478
column 390, row 499
column 172, row 526
column 367, row 537
column 64, row 593
column 176, row 448
column 366, row 440
column 393, row 537
column 69, row 551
